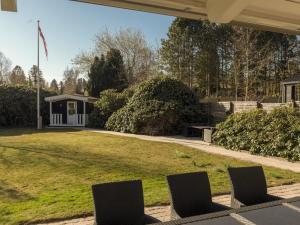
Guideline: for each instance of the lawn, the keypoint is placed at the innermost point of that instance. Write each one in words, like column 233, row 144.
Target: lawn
column 48, row 174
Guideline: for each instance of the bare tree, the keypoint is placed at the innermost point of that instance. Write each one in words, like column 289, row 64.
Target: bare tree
column 248, row 59
column 139, row 57
column 70, row 77
column 5, row 66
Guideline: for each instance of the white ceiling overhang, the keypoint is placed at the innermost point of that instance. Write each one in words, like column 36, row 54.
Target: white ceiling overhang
column 272, row 15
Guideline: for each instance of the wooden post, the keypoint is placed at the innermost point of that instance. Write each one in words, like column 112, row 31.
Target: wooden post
column 84, row 113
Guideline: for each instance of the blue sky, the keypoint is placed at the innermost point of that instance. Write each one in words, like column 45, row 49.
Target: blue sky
column 69, row 27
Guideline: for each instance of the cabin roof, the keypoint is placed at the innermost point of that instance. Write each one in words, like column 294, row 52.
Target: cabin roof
column 73, row 97
column 291, row 80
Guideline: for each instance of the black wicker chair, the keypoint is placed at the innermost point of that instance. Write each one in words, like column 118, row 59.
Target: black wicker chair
column 120, row 203
column 190, row 195
column 249, row 187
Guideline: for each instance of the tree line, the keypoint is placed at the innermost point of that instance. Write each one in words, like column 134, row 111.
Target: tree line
column 215, row 60
column 70, row 84
column 229, row 61
column 117, row 61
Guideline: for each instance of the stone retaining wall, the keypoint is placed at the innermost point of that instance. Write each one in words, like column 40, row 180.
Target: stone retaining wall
column 220, row 110
column 242, row 106
column 270, row 106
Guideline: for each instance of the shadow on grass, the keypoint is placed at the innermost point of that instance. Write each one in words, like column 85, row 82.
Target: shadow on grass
column 10, row 193
column 27, row 131
column 74, row 159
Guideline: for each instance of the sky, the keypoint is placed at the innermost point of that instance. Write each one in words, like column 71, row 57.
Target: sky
column 69, row 28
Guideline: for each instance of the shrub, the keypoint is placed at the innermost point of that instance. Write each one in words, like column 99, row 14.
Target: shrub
column 18, row 106
column 110, row 101
column 95, row 119
column 275, row 134
column 159, row 106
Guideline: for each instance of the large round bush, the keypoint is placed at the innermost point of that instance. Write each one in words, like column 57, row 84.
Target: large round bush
column 109, row 102
column 276, row 133
column 159, row 106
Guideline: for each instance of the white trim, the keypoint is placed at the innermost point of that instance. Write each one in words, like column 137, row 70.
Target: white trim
column 50, row 113
column 72, row 97
column 66, row 125
column 290, row 82
column 55, row 119
column 84, row 113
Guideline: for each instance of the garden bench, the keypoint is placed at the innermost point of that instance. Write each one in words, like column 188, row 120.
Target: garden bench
column 194, row 130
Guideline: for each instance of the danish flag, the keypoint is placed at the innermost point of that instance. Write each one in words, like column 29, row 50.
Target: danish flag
column 44, row 41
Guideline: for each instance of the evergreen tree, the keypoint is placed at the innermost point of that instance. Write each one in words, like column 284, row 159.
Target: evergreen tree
column 108, row 72
column 61, row 87
column 114, row 71
column 54, row 86
column 96, row 73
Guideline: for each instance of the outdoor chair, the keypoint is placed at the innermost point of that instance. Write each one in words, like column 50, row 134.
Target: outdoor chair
column 190, row 195
column 120, row 203
column 249, row 187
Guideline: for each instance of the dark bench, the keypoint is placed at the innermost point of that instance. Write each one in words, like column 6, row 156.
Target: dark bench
column 202, row 131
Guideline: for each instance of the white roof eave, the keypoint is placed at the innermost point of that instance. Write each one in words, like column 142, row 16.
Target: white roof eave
column 65, row 97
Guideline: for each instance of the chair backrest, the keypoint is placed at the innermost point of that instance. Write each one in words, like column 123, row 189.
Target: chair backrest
column 190, row 193
column 248, row 184
column 119, row 203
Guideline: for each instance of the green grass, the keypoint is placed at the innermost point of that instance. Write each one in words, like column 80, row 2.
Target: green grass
column 48, row 174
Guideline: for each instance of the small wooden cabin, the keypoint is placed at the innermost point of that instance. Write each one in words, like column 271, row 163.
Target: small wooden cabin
column 69, row 110
column 290, row 89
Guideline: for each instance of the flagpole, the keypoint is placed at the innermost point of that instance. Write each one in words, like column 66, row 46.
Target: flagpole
column 38, row 77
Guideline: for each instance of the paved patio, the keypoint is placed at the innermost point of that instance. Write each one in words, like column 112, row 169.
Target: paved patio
column 163, row 212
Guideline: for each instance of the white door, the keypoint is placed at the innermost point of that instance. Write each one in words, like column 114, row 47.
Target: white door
column 71, row 112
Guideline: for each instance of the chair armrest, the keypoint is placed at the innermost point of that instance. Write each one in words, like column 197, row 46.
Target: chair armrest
column 236, row 204
column 150, row 219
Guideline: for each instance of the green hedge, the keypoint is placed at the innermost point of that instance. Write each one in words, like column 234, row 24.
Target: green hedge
column 18, row 106
column 159, row 106
column 274, row 134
